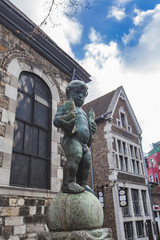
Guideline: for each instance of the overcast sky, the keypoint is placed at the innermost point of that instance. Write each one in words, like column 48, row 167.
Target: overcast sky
column 118, row 43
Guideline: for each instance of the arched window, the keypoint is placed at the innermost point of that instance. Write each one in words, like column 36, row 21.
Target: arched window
column 31, row 147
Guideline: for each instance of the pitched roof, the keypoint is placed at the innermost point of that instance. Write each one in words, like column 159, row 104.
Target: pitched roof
column 99, row 105
column 154, row 150
column 23, row 27
column 104, row 106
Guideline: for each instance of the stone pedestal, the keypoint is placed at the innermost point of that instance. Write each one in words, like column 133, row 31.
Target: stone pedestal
column 75, row 217
column 96, row 234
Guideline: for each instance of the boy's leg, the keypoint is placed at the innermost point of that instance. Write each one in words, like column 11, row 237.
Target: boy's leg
column 73, row 151
column 83, row 170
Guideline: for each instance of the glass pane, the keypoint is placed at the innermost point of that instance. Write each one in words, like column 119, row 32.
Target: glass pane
column 41, row 115
column 24, row 108
column 41, row 89
column 43, row 144
column 18, row 136
column 25, row 83
column 20, row 169
column 35, row 142
column 28, row 140
column 38, row 174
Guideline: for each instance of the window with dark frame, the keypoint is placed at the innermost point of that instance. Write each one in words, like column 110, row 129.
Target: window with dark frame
column 151, row 178
column 131, row 150
column 152, row 163
column 138, row 168
column 126, row 163
column 124, row 148
column 125, row 210
column 135, row 200
column 133, row 166
column 121, row 162
column 32, row 140
column 156, row 178
column 144, row 202
column 119, row 146
column 123, row 120
column 140, row 229
column 128, row 229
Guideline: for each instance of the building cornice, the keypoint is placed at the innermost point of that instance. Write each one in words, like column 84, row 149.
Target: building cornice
column 24, row 28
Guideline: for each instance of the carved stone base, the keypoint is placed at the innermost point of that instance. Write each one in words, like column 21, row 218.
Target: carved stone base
column 96, row 234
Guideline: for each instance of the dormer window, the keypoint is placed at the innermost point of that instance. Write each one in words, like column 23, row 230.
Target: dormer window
column 129, row 128
column 122, row 121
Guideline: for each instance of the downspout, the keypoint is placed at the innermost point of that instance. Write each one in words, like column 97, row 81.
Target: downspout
column 149, row 187
column 92, row 178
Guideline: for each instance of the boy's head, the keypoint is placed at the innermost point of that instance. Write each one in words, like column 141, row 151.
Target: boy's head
column 77, row 90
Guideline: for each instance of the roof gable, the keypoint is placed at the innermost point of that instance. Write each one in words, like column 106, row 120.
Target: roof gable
column 100, row 105
column 105, row 106
column 122, row 95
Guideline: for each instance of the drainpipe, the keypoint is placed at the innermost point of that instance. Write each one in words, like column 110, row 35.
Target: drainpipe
column 92, row 178
column 149, row 187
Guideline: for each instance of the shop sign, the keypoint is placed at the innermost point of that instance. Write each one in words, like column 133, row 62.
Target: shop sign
column 156, row 208
column 123, row 201
column 101, row 197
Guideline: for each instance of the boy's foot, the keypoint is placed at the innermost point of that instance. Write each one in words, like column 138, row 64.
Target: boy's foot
column 72, row 188
column 87, row 188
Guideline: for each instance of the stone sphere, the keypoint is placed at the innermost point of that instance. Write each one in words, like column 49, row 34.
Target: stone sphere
column 69, row 212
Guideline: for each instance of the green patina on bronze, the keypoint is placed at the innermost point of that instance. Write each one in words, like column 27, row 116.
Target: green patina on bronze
column 78, row 131
column 74, row 212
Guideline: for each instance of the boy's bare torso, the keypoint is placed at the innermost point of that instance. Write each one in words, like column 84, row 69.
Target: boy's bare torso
column 82, row 132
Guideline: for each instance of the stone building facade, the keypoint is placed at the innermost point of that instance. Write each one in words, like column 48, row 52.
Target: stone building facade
column 117, row 169
column 34, row 72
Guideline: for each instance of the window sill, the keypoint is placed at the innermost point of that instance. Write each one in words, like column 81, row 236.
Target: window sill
column 26, row 192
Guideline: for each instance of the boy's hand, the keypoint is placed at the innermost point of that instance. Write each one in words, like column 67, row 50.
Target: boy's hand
column 71, row 115
column 68, row 125
column 93, row 127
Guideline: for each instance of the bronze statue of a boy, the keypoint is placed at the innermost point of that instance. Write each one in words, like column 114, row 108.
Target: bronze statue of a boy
column 78, row 133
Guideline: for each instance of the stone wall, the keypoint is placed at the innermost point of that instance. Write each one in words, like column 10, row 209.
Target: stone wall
column 22, row 217
column 124, row 133
column 16, row 57
column 23, row 210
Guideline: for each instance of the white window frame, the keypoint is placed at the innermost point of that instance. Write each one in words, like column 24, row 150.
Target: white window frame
column 151, row 176
column 156, row 178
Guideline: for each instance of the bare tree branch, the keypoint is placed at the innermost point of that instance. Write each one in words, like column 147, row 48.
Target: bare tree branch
column 48, row 15
column 64, row 7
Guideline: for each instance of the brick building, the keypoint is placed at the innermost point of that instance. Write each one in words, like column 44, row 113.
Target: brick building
column 153, row 171
column 117, row 169
column 155, row 195
column 153, row 164
column 34, row 72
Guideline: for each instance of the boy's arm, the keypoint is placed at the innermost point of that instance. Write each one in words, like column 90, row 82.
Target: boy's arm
column 61, row 119
column 92, row 125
